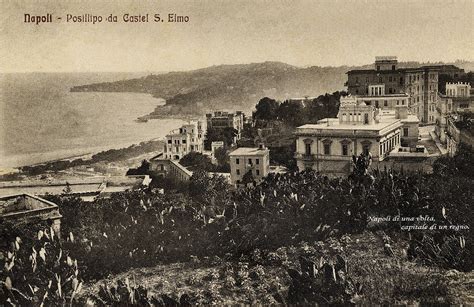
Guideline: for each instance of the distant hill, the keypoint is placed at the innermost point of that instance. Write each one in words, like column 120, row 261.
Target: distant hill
column 232, row 87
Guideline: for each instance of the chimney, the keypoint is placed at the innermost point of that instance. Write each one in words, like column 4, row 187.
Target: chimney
column 261, row 146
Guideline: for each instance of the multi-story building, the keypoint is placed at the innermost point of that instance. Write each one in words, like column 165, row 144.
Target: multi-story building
column 456, row 133
column 458, row 99
column 251, row 162
column 420, row 83
column 329, row 145
column 180, row 142
column 222, row 120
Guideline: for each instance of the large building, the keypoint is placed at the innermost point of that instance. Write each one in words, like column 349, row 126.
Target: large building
column 222, row 120
column 180, row 142
column 249, row 165
column 420, row 83
column 360, row 127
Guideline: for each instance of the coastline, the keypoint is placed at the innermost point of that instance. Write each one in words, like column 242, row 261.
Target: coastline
column 6, row 170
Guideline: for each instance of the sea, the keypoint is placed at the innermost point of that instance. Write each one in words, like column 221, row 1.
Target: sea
column 41, row 120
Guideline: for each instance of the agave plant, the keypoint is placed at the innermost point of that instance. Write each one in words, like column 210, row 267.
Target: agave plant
column 323, row 283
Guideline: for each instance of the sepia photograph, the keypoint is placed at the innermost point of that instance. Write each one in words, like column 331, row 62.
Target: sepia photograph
column 244, row 152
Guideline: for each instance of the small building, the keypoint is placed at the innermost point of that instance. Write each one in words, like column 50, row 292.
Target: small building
column 26, row 208
column 222, row 120
column 181, row 141
column 169, row 168
column 460, row 95
column 249, row 165
column 459, row 89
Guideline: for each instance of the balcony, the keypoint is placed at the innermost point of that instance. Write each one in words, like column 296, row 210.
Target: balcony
column 305, row 157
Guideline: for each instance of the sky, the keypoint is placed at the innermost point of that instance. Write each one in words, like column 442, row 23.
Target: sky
column 301, row 33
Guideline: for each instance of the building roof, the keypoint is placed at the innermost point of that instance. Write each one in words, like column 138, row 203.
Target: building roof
column 249, row 151
column 400, row 95
column 408, row 69
column 20, row 205
column 384, row 122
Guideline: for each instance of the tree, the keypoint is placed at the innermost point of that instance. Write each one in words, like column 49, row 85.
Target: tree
column 197, row 161
column 248, row 178
column 226, row 135
column 266, row 109
column 222, row 157
column 292, row 113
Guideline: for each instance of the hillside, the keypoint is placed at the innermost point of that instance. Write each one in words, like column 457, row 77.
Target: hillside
column 228, row 86
column 232, row 87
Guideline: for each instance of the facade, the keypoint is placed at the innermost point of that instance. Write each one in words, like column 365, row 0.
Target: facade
column 169, row 168
column 26, row 208
column 388, row 105
column 222, row 120
column 458, row 99
column 460, row 94
column 180, row 142
column 444, row 107
column 457, row 134
column 329, row 145
column 421, row 84
column 255, row 161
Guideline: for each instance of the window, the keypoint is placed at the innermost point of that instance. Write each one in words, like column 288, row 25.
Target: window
column 237, row 161
column 385, row 103
column 405, row 131
column 366, row 118
column 327, row 149
column 403, row 102
column 238, row 171
column 257, row 172
column 170, row 141
column 393, row 67
column 344, row 149
column 308, row 149
column 250, row 161
column 184, row 141
column 378, row 67
column 380, row 79
column 257, row 161
column 376, row 103
column 390, row 79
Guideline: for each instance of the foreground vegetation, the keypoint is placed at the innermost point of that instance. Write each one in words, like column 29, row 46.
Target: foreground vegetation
column 256, row 234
